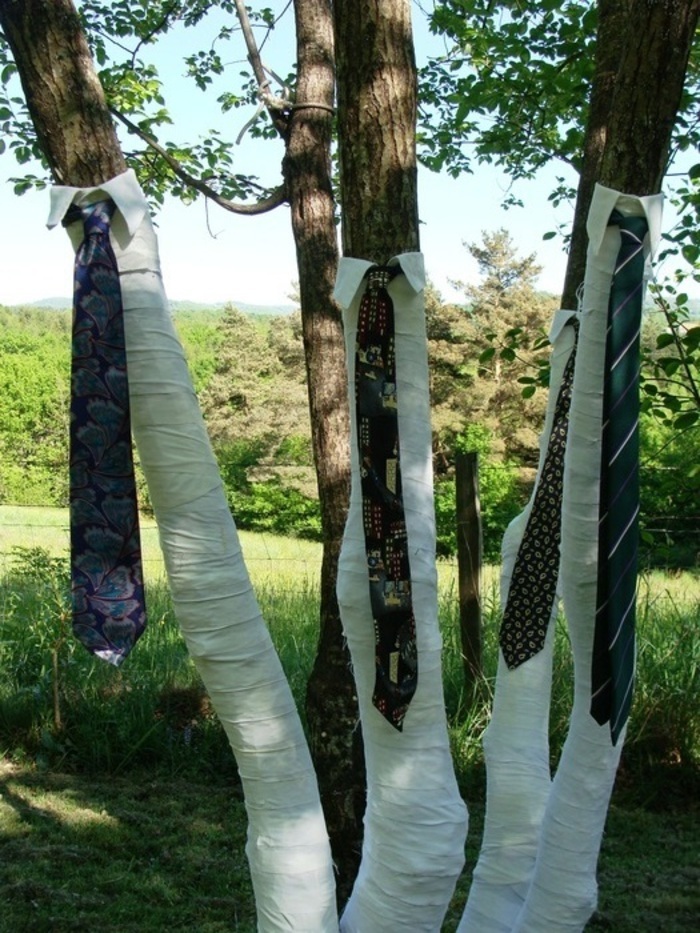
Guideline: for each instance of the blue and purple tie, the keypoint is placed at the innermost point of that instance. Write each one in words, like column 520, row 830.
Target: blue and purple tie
column 109, row 611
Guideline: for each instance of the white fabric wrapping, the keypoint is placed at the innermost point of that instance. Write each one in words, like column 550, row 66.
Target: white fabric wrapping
column 416, row 822
column 516, row 742
column 287, row 847
column 563, row 893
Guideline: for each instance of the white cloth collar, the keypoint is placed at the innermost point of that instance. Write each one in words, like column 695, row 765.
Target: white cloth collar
column 559, row 321
column 351, row 274
column 124, row 190
column 606, row 199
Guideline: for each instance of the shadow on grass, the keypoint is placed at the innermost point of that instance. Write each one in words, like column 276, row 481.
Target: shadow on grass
column 138, row 854
column 127, row 854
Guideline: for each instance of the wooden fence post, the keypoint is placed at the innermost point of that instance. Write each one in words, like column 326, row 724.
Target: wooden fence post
column 469, row 561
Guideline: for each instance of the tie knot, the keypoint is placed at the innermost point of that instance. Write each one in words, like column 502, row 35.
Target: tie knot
column 380, row 276
column 635, row 226
column 96, row 217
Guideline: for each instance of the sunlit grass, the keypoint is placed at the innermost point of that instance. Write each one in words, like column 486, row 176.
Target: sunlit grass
column 267, row 557
column 161, row 714
column 169, row 853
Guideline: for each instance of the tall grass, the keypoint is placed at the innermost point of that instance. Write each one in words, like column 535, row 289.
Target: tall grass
column 59, row 707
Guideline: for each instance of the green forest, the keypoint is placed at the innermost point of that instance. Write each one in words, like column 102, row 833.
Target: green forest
column 489, row 367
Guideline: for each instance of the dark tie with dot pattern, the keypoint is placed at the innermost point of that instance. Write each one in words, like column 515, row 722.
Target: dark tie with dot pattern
column 533, row 585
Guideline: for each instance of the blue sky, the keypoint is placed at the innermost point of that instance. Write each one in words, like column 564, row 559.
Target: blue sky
column 215, row 256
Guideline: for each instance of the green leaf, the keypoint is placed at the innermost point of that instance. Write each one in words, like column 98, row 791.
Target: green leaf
column 664, row 340
column 691, row 253
column 669, row 364
column 7, row 72
column 686, row 420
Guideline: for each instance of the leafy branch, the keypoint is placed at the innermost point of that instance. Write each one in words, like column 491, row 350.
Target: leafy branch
column 198, row 184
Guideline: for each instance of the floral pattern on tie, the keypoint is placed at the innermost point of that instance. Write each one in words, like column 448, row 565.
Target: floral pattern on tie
column 106, row 569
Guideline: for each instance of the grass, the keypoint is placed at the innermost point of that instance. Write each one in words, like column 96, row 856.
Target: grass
column 120, row 806
column 124, row 855
column 135, row 854
column 267, row 556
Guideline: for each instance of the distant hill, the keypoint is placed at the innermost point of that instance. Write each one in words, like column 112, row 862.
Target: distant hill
column 60, row 304
column 53, row 304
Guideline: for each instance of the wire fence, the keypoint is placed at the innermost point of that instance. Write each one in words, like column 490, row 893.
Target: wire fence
column 24, row 528
column 271, row 559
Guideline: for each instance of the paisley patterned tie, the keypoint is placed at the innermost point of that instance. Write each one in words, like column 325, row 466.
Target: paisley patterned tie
column 612, row 673
column 533, row 585
column 384, row 523
column 107, row 581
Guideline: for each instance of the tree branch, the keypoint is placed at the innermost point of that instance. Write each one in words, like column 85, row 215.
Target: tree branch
column 279, row 120
column 279, row 196
column 680, row 349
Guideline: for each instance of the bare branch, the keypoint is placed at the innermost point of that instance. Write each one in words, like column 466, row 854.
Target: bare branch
column 278, row 196
column 279, row 120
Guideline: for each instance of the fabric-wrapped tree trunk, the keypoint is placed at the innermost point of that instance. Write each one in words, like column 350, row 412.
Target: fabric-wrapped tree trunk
column 516, row 741
column 415, row 823
column 563, row 892
column 287, row 847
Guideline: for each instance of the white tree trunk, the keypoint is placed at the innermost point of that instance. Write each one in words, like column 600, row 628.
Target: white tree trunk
column 415, row 823
column 563, row 893
column 287, row 847
column 516, row 742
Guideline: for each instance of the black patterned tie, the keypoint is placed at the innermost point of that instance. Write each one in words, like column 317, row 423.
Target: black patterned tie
column 614, row 641
column 533, row 585
column 107, row 581
column 384, row 523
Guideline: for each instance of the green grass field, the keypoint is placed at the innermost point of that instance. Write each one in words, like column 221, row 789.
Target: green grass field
column 120, row 806
column 265, row 555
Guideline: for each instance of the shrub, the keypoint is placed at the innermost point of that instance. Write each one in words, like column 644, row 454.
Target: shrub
column 499, row 492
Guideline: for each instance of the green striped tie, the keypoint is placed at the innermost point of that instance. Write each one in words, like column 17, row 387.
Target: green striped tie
column 614, row 639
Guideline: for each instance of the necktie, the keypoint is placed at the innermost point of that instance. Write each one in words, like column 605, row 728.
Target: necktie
column 106, row 573
column 533, row 585
column 614, row 638
column 396, row 664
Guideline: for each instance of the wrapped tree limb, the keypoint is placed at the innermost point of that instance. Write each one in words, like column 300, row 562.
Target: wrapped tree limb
column 214, row 602
column 516, row 741
column 415, row 823
column 563, row 892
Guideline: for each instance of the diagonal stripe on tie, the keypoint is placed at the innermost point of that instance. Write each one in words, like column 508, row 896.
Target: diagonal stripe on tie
column 612, row 673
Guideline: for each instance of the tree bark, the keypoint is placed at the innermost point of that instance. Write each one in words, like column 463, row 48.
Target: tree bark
column 377, row 145
column 68, row 106
column 642, row 55
column 331, row 703
column 64, row 96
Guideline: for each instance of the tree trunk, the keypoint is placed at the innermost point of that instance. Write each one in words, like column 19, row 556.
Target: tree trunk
column 377, row 99
column 65, row 98
column 469, row 567
column 642, row 55
column 331, row 704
